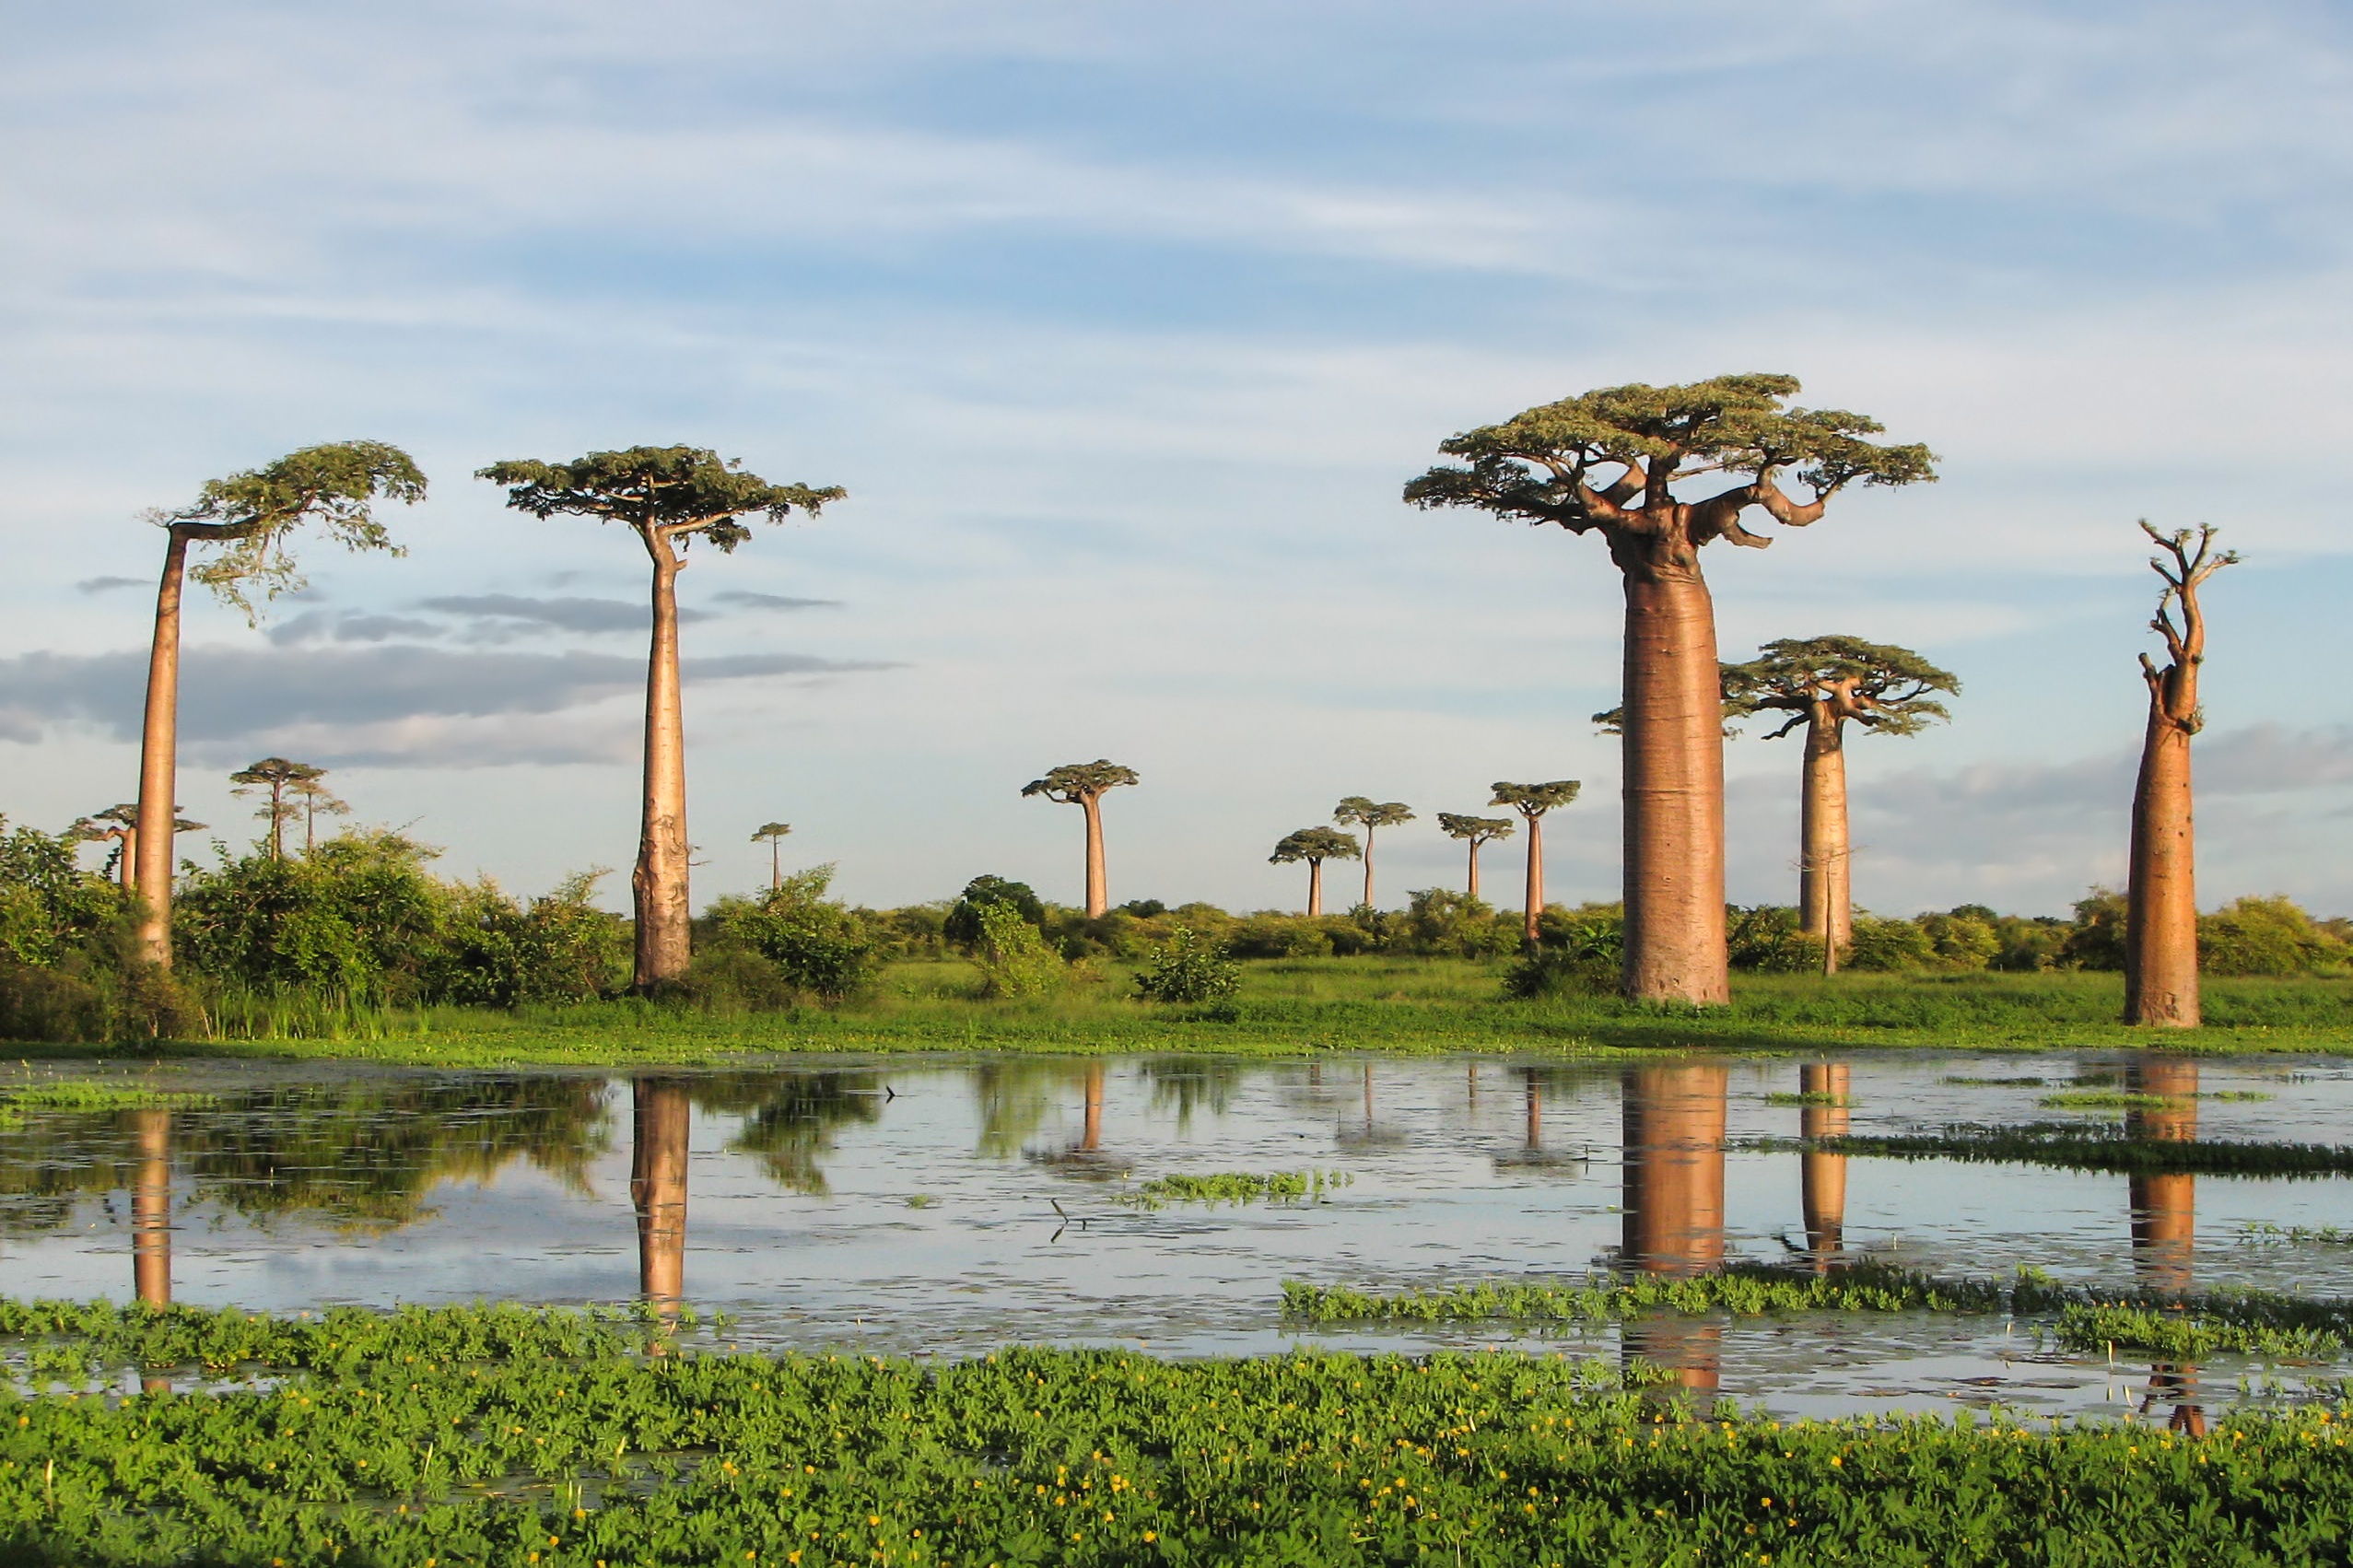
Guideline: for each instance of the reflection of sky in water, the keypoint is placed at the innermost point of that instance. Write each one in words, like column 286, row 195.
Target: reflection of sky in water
column 799, row 1220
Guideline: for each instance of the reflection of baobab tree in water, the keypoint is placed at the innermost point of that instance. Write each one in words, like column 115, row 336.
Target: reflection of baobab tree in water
column 151, row 1207
column 2164, row 1221
column 1181, row 1086
column 662, row 1118
column 1674, row 1205
column 1822, row 1176
column 1531, row 1152
column 1368, row 1130
column 790, row 1120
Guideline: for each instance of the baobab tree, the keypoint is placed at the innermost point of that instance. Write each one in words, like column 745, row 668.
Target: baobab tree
column 772, row 834
column 277, row 775
column 668, row 497
column 1362, row 811
column 1315, row 845
column 315, row 800
column 1823, row 684
column 121, row 824
column 1539, row 466
column 2160, row 903
column 250, row 517
column 1532, row 800
column 1083, row 784
column 1474, row 831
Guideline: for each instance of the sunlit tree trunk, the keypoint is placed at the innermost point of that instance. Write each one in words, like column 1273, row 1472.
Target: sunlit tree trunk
column 1825, row 902
column 1098, row 891
column 1315, row 888
column 658, row 883
column 1470, row 887
column 1822, row 1176
column 151, row 1208
column 126, row 868
column 1368, row 865
column 158, row 762
column 661, row 1118
column 1673, row 1203
column 1674, row 791
column 1534, row 892
column 2161, row 915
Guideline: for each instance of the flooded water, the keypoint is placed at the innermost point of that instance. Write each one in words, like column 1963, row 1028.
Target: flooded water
column 941, row 1206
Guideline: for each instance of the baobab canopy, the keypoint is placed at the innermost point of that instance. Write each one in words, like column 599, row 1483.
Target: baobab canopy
column 252, row 513
column 1878, row 686
column 685, row 492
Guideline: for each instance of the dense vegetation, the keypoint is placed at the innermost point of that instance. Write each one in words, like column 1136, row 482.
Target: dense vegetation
column 473, row 1436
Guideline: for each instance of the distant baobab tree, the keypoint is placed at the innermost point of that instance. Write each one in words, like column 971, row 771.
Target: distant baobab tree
column 772, row 834
column 1539, row 466
column 250, row 517
column 2160, row 907
column 315, row 800
column 1823, row 684
column 121, row 824
column 1532, row 800
column 1474, row 831
column 1315, row 845
column 1362, row 812
column 668, row 497
column 1083, row 784
column 276, row 776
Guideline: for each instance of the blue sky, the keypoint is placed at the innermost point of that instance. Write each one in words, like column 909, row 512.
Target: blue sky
column 1123, row 325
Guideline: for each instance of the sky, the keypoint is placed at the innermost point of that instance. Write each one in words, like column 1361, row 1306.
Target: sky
column 1123, row 327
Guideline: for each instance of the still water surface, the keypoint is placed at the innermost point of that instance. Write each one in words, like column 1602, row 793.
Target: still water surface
column 944, row 1206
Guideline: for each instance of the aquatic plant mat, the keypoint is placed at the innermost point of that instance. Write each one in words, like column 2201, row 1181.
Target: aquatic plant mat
column 471, row 1435
column 2079, row 1146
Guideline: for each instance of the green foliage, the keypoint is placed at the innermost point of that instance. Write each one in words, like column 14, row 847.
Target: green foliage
column 1532, row 800
column 682, row 492
column 1013, row 958
column 1076, row 781
column 1315, row 845
column 1368, row 813
column 1742, row 1290
column 359, row 917
column 1888, row 686
column 2081, row 1146
column 1438, row 921
column 558, row 949
column 819, row 945
column 1578, row 952
column 49, row 905
column 1237, row 1188
column 1190, row 968
column 1766, row 939
column 963, row 926
column 2097, row 940
column 1890, row 946
column 251, row 514
column 2265, row 936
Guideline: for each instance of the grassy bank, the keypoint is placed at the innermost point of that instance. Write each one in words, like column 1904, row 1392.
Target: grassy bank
column 476, row 1436
column 1288, row 1007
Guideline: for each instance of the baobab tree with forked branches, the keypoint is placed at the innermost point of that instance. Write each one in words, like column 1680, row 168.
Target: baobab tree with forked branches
column 1546, row 465
column 772, row 835
column 1315, row 845
column 2160, row 902
column 276, row 776
column 670, row 496
column 1084, row 784
column 1474, row 831
column 1361, row 811
column 121, row 824
column 248, row 519
column 1532, row 800
column 1824, row 683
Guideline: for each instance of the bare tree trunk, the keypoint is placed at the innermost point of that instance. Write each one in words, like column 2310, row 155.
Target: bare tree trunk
column 1090, row 1140
column 658, row 883
column 1674, row 793
column 2161, row 913
column 1535, row 893
column 1471, row 890
column 277, row 820
column 126, row 869
column 1368, row 865
column 1315, row 888
column 158, row 761
column 151, row 1208
column 662, row 1118
column 775, row 866
column 1673, row 1202
column 1099, row 892
column 1825, row 905
column 1822, row 1176
column 1535, row 1109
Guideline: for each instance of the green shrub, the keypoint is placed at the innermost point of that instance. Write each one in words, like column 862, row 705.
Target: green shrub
column 2265, row 936
column 1890, row 946
column 817, row 946
column 963, row 924
column 2097, row 939
column 1271, row 935
column 1189, row 969
column 1013, row 959
column 1766, row 939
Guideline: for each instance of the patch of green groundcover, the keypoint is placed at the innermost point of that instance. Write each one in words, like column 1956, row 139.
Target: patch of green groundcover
column 1288, row 1007
column 2081, row 1146
column 464, row 1436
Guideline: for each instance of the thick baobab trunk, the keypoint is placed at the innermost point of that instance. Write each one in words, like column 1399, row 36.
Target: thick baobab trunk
column 2164, row 1205
column 159, row 763
column 658, row 883
column 1674, row 793
column 151, row 1208
column 1534, row 898
column 1822, row 1176
column 1471, row 883
column 2161, row 915
column 1315, row 888
column 1673, row 1202
column 1098, row 891
column 661, row 1121
column 126, row 868
column 1825, row 902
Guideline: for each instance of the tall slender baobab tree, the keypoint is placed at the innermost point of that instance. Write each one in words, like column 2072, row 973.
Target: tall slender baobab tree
column 276, row 776
column 1532, row 800
column 1823, row 684
column 250, row 517
column 1083, row 784
column 315, row 800
column 2160, row 909
column 772, row 834
column 668, row 497
column 1315, row 845
column 1539, row 466
column 1474, row 831
column 1362, row 811
column 122, row 825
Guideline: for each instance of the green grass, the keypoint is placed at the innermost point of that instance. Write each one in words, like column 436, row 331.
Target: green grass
column 2106, row 1100
column 552, row 1440
column 1236, row 1187
column 1292, row 1007
column 2076, row 1146
column 1741, row 1291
